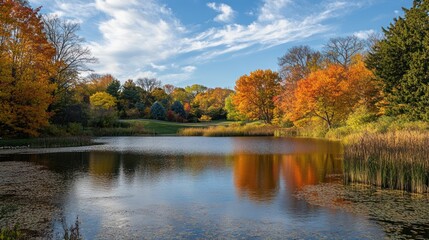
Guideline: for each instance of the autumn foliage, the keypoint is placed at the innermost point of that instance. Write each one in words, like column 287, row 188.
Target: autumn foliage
column 331, row 94
column 255, row 94
column 25, row 70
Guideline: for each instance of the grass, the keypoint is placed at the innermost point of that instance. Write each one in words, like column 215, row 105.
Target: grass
column 392, row 160
column 10, row 233
column 230, row 130
column 50, row 142
column 136, row 127
column 156, row 127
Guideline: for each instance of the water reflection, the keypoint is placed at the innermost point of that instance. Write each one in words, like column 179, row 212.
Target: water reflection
column 257, row 176
column 309, row 169
column 243, row 178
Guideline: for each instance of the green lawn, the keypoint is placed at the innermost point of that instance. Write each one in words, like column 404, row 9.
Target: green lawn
column 171, row 128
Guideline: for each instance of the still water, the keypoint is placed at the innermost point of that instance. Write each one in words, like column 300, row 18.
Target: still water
column 181, row 188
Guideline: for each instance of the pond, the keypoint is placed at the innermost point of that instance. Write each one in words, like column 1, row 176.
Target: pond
column 183, row 188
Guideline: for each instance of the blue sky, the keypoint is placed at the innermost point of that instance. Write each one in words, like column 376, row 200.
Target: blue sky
column 212, row 42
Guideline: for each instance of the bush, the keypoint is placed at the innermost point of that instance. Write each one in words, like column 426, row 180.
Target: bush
column 103, row 117
column 132, row 113
column 75, row 129
column 205, row 118
column 360, row 117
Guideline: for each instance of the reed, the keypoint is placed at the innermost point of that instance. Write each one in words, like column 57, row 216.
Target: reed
column 393, row 160
column 50, row 142
column 233, row 130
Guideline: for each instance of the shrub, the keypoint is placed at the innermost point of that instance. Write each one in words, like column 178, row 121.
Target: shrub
column 75, row 129
column 360, row 117
column 102, row 117
column 54, row 130
column 205, row 118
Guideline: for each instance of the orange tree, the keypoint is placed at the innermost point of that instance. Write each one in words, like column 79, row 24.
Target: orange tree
column 255, row 94
column 332, row 93
column 25, row 70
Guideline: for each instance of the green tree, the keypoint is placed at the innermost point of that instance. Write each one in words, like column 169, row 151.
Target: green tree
column 130, row 94
column 113, row 88
column 157, row 111
column 195, row 89
column 178, row 108
column 401, row 61
column 232, row 113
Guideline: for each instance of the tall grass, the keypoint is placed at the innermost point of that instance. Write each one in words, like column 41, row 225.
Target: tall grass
column 231, row 130
column 394, row 160
column 50, row 142
column 11, row 233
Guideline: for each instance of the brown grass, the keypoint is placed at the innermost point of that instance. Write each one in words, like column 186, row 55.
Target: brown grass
column 395, row 160
column 232, row 130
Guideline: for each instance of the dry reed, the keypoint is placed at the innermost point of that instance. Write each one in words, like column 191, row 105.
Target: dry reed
column 393, row 160
column 223, row 131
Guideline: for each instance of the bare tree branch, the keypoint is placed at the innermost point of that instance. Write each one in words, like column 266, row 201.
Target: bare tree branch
column 71, row 58
column 342, row 49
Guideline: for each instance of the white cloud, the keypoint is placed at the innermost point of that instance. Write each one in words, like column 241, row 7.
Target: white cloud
column 135, row 35
column 272, row 9
column 364, row 34
column 75, row 10
column 177, row 75
column 141, row 38
column 189, row 69
column 226, row 12
column 158, row 67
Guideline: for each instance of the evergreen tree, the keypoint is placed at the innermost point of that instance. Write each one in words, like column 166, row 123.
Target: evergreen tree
column 401, row 61
column 157, row 111
column 178, row 108
column 113, row 88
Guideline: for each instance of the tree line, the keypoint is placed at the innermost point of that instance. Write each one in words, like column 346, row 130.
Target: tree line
column 43, row 60
column 387, row 74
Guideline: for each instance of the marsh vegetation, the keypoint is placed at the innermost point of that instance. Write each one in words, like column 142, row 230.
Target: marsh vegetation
column 394, row 160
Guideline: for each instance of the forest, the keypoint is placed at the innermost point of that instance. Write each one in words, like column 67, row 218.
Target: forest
column 350, row 85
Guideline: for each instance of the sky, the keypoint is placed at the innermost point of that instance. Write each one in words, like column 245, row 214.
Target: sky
column 211, row 42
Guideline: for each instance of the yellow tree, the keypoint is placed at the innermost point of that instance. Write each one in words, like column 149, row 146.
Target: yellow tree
column 103, row 100
column 103, row 112
column 255, row 94
column 25, row 69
